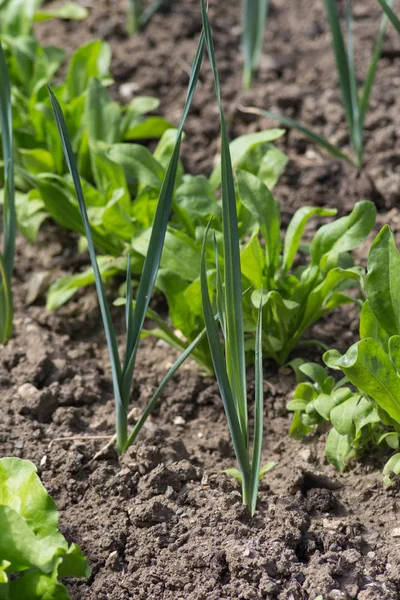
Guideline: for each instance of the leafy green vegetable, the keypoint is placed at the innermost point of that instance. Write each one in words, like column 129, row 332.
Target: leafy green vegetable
column 253, row 152
column 30, row 543
column 17, row 16
column 355, row 420
column 95, row 121
column 123, row 224
column 370, row 416
column 295, row 297
column 355, row 103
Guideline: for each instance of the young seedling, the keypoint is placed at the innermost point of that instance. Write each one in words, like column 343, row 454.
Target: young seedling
column 9, row 215
column 137, row 17
column 355, row 103
column 122, row 373
column 229, row 357
column 367, row 415
column 254, row 18
column 296, row 295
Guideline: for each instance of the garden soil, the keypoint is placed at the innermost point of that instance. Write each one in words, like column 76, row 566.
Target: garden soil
column 163, row 522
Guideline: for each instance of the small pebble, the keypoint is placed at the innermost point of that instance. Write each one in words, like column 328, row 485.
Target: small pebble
column 396, row 532
column 128, row 89
column 112, row 560
column 179, row 421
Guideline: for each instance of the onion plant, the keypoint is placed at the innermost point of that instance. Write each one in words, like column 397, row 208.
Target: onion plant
column 229, row 357
column 394, row 19
column 355, row 102
column 122, row 372
column 9, row 215
column 254, row 17
column 137, row 17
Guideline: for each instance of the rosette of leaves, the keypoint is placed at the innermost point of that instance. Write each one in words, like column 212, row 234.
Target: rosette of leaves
column 95, row 120
column 297, row 290
column 370, row 415
column 34, row 555
column 355, row 420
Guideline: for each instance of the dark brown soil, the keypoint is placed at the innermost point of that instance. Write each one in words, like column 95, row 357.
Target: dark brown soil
column 297, row 78
column 163, row 522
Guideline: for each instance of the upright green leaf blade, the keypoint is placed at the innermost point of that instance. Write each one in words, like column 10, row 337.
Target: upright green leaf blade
column 356, row 130
column 9, row 210
column 383, row 281
column 254, row 16
column 341, row 58
column 9, row 217
column 258, row 414
column 235, row 355
column 257, row 198
column 157, row 237
column 370, row 78
column 344, row 234
column 226, row 391
column 104, row 308
column 386, row 6
column 296, row 228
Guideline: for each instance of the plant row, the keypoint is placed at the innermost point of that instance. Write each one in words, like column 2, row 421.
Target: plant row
column 238, row 290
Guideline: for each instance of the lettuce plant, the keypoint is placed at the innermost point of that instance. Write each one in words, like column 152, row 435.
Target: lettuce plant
column 34, row 555
column 17, row 16
column 370, row 415
column 94, row 120
column 296, row 293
